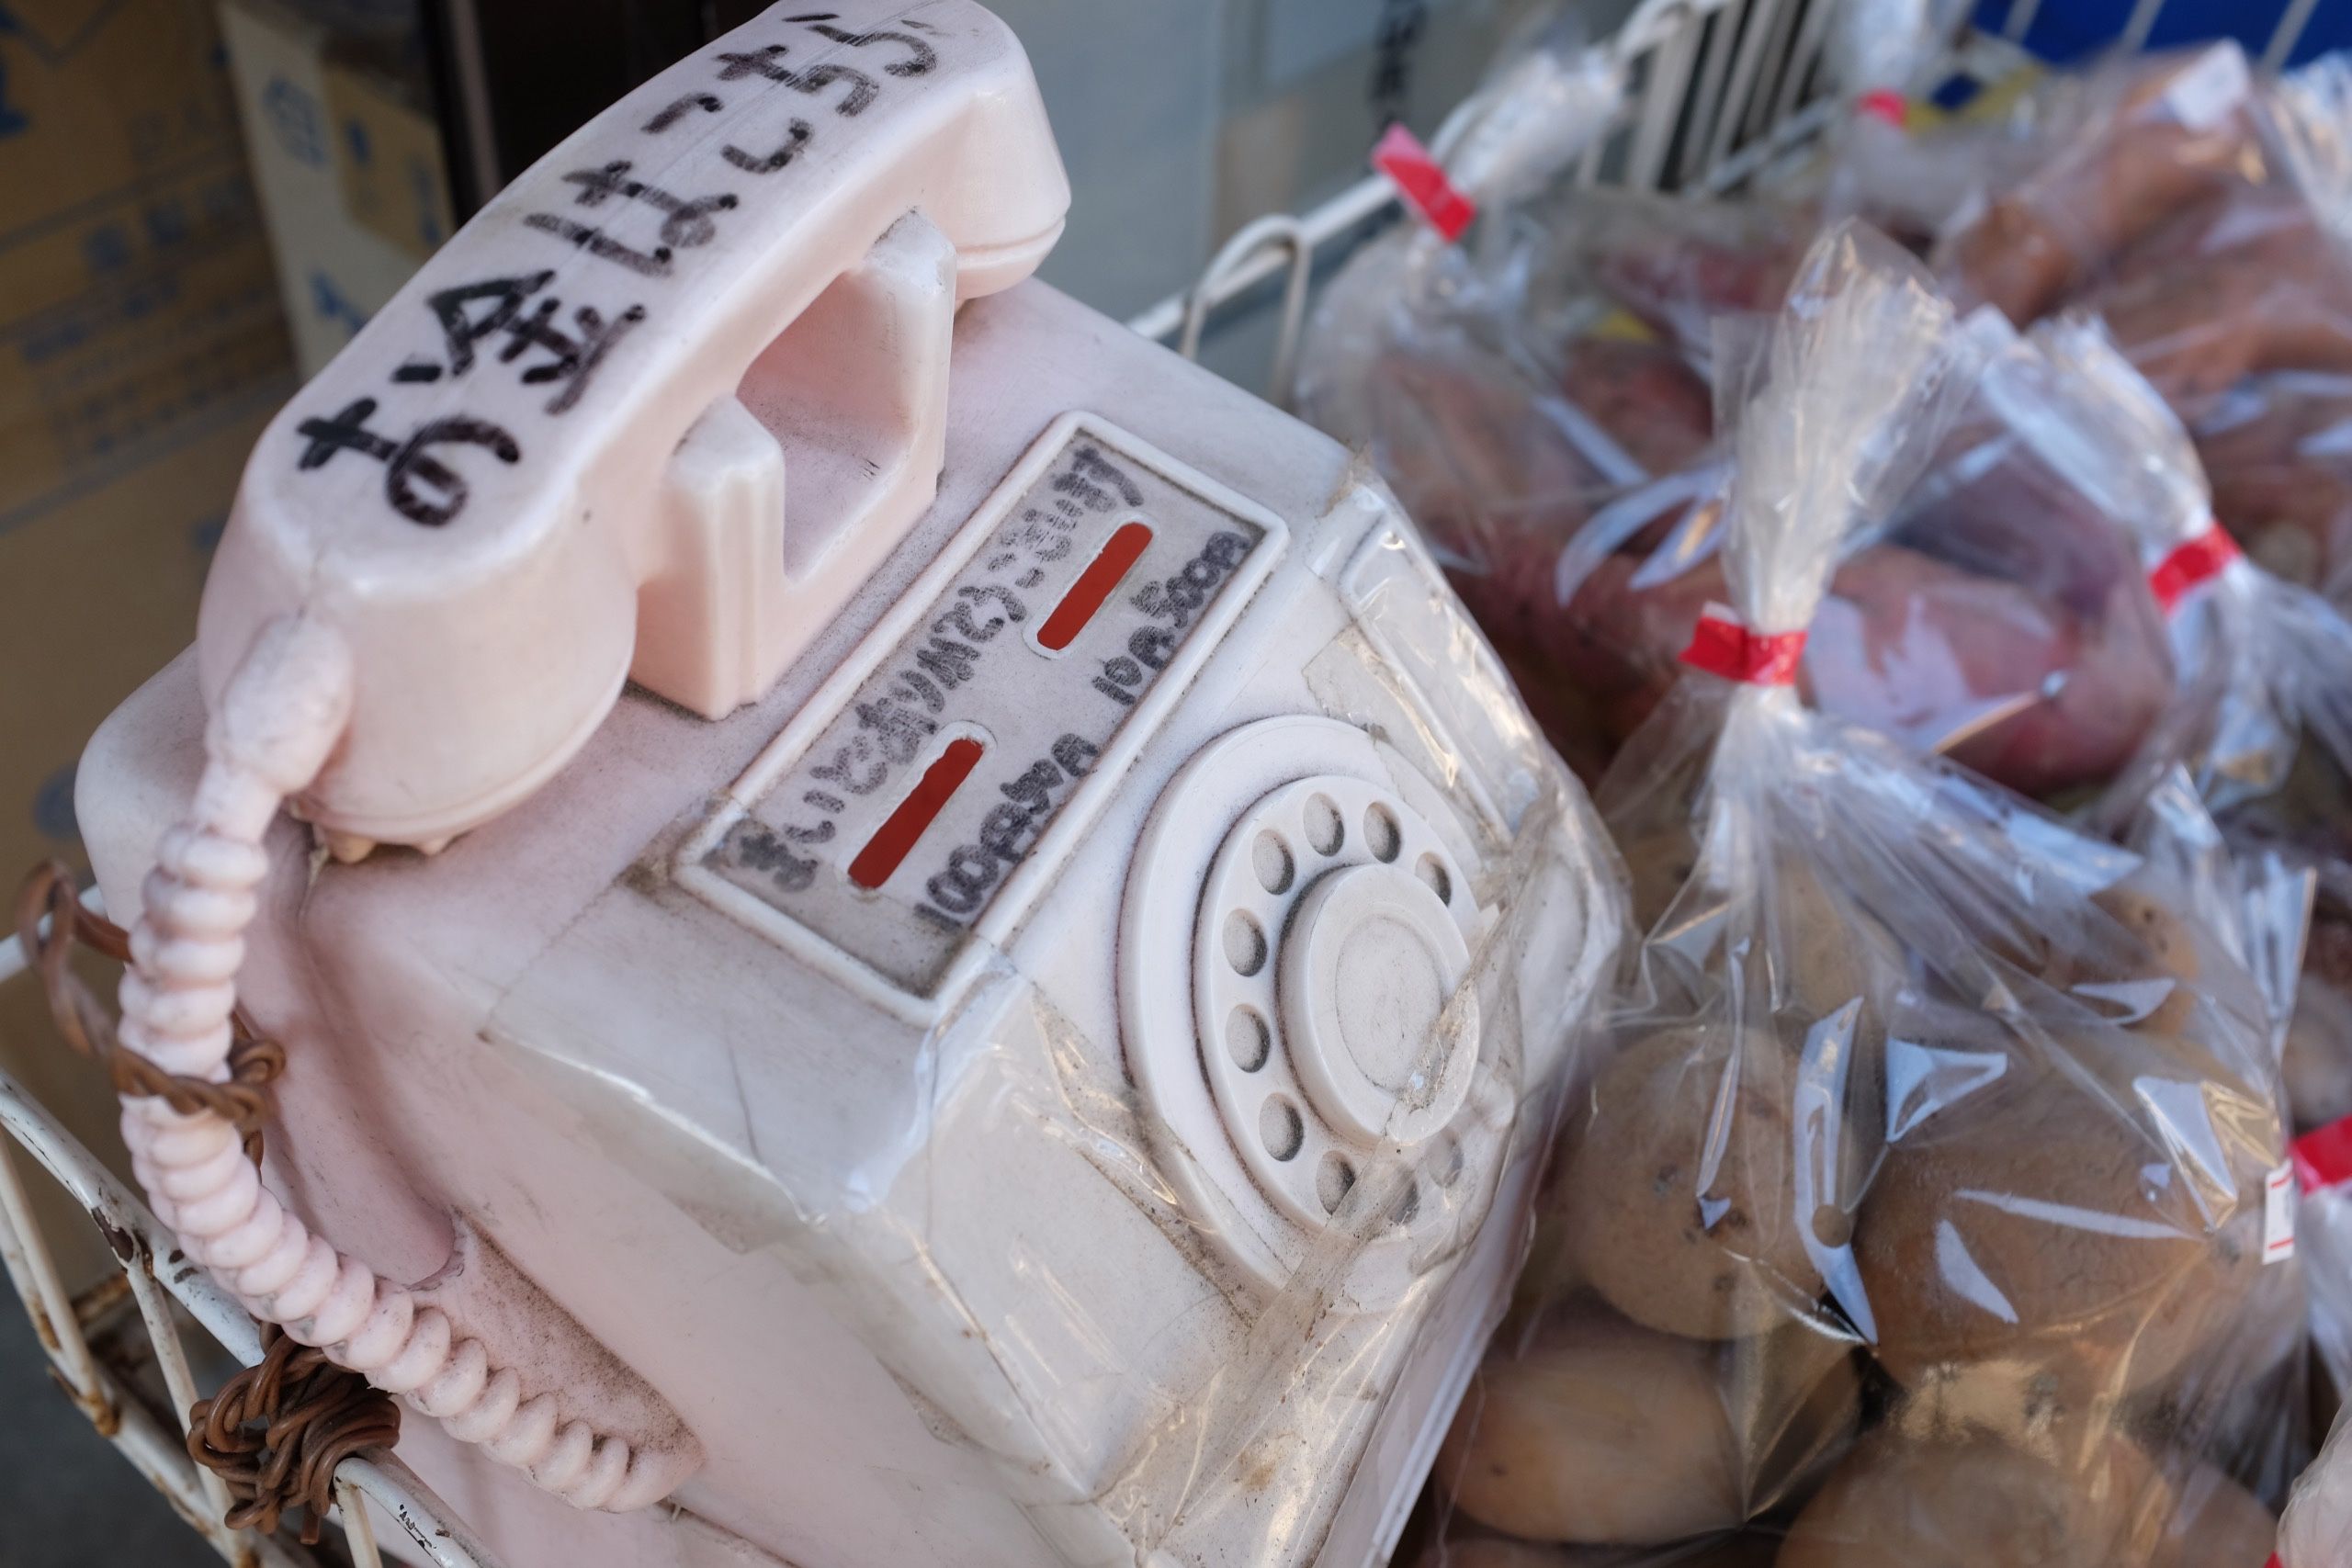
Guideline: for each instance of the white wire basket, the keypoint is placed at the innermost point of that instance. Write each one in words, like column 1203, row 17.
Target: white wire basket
column 1720, row 89
column 98, row 1358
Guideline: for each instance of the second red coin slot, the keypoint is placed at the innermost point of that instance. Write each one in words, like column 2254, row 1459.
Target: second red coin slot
column 895, row 838
column 1093, row 586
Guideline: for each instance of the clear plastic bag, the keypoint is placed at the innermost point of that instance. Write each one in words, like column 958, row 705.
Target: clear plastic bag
column 2245, row 325
column 1880, row 53
column 1497, row 399
column 2052, row 665
column 1677, row 264
column 2317, row 1529
column 2279, row 450
column 2023, row 209
column 1995, row 616
column 1547, row 97
column 1917, row 1215
column 2172, row 191
column 2123, row 148
column 2250, row 273
column 2264, row 724
column 1573, row 490
column 1559, row 456
column 2234, row 630
column 1886, row 46
column 2262, row 721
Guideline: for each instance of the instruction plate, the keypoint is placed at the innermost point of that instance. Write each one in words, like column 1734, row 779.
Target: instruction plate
column 909, row 816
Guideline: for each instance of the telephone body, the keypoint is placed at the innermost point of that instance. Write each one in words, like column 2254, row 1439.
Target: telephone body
column 1025, row 1033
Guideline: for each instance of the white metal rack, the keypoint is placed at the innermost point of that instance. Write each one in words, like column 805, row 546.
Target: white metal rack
column 1719, row 88
column 1716, row 90
column 95, row 1358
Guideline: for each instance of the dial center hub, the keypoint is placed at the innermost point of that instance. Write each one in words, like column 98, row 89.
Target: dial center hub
column 1369, row 965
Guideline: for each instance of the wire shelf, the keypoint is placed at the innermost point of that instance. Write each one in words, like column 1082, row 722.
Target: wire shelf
column 1721, row 90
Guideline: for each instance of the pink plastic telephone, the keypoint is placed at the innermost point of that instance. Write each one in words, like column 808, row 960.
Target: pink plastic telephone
column 1006, row 949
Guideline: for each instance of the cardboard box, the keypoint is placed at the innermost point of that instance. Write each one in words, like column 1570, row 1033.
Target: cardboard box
column 388, row 159
column 141, row 348
column 348, row 166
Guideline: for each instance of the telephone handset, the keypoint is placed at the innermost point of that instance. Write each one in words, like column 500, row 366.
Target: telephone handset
column 658, row 410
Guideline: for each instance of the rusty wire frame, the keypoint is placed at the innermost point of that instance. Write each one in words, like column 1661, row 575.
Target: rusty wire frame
column 95, row 1352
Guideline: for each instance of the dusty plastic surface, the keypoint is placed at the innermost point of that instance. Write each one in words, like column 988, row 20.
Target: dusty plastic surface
column 1918, row 1213
column 940, row 1209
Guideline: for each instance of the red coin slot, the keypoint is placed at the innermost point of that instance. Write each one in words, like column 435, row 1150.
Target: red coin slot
column 1093, row 586
column 893, row 840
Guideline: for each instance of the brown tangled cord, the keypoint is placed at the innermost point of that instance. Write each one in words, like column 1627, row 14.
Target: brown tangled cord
column 243, row 1101
column 277, row 1430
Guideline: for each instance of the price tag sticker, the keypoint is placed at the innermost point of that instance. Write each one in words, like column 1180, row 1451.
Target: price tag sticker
column 1422, row 180
column 2209, row 89
column 2279, row 1215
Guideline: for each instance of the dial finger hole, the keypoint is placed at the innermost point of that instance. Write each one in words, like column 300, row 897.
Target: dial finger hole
column 1325, row 828
column 1279, row 1128
column 1245, row 942
column 1248, row 1038
column 1382, row 836
column 1432, row 872
column 1332, row 1179
column 1270, row 857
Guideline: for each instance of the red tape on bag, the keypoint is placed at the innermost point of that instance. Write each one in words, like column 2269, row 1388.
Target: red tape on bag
column 1884, row 102
column 2324, row 1159
column 1722, row 646
column 2201, row 559
column 1423, row 183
